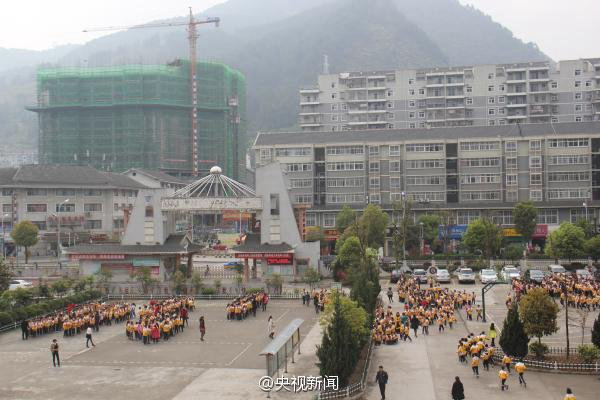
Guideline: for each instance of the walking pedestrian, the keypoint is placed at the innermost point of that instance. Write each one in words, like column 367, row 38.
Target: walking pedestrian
column 24, row 329
column 202, row 328
column 54, row 351
column 506, row 361
column 88, row 337
column 569, row 395
column 475, row 365
column 503, row 375
column 458, row 390
column 390, row 295
column 520, row 368
column 382, row 379
column 492, row 334
column 271, row 327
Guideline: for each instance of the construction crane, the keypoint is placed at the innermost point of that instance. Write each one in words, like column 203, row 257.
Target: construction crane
column 192, row 25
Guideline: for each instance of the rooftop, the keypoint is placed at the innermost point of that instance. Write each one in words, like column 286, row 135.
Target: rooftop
column 427, row 134
column 252, row 244
column 158, row 175
column 175, row 244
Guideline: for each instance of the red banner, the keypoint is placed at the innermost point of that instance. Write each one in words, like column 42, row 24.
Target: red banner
column 287, row 260
column 541, row 231
column 263, row 255
column 97, row 256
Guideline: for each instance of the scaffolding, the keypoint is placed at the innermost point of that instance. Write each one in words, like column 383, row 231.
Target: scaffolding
column 138, row 116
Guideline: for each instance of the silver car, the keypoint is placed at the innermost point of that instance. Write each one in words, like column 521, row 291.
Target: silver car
column 466, row 275
column 442, row 276
column 510, row 272
column 488, row 275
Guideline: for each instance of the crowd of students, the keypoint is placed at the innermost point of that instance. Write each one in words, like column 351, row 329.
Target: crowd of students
column 160, row 320
column 77, row 319
column 579, row 293
column 242, row 307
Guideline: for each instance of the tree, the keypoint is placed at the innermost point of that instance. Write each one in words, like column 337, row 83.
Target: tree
column 513, row 252
column 483, row 234
column 104, row 278
column 275, row 282
column 513, row 339
column 373, row 223
column 580, row 320
column 311, row 276
column 355, row 315
column 5, row 276
column 197, row 282
column 61, row 286
column 525, row 219
column 144, row 276
column 587, row 226
column 179, row 281
column 596, row 332
column 431, row 227
column 217, row 284
column 350, row 253
column 346, row 217
column 591, row 247
column 314, row 234
column 25, row 234
column 340, row 347
column 538, row 313
column 565, row 242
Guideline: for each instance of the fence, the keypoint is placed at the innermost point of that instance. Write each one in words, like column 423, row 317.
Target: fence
column 352, row 389
column 555, row 366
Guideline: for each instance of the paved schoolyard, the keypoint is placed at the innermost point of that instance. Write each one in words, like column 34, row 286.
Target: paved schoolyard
column 227, row 362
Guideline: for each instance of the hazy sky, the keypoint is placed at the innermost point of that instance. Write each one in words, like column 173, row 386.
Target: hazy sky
column 563, row 29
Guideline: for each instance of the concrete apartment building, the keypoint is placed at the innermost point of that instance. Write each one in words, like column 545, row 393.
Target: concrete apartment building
column 86, row 204
column 480, row 95
column 469, row 171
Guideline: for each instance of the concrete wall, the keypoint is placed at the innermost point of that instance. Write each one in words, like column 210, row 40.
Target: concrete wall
column 147, row 230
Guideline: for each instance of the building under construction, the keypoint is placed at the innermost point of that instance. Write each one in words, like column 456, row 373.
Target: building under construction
column 139, row 116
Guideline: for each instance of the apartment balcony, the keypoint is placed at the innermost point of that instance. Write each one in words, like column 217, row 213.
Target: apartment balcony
column 310, row 125
column 434, row 96
column 357, row 123
column 378, row 122
column 376, row 77
column 515, row 81
column 516, row 105
column 308, row 113
column 534, row 80
column 435, row 85
column 521, row 93
column 435, row 73
column 456, row 106
column 357, row 100
column 355, row 88
column 517, row 116
column 310, row 103
column 516, row 69
column 436, row 106
column 310, row 90
column 455, row 96
column 377, row 100
column 375, row 88
column 455, row 84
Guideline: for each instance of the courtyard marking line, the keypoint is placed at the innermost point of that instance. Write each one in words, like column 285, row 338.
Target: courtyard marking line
column 239, row 355
column 282, row 315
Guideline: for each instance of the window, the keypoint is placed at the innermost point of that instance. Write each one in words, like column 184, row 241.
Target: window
column 568, row 193
column 411, row 92
column 297, row 167
column 421, row 91
column 501, row 88
column 345, row 198
column 568, row 160
column 426, row 196
column 479, row 178
column 511, row 162
column 577, row 72
column 554, row 119
column 491, row 111
column 411, row 114
column 149, row 213
column 503, row 217
column 374, row 166
column 491, row 75
column 7, row 208
column 66, row 192
column 535, row 145
column 479, row 146
column 480, row 162
column 394, row 150
column 500, row 99
column 41, row 225
column 535, row 179
column 535, row 162
column 502, row 121
column 32, row 208
column 577, row 83
column 588, row 83
column 345, row 182
column 411, row 81
column 301, row 183
column 577, row 142
column 511, row 179
column 481, row 195
column 411, row 103
column 92, row 192
column 577, row 96
column 344, row 106
column 118, row 223
column 329, row 220
column 65, row 207
column 374, row 198
column 492, row 122
column 578, row 107
column 554, row 85
column 310, row 220
column 554, row 97
column 116, row 207
column 465, row 217
column 547, row 216
column 469, row 89
column 568, row 176
column 395, row 166
column 303, row 198
column 344, row 150
column 334, row 117
column 7, row 192
column 425, row 180
column 578, row 119
column 92, row 207
column 395, row 183
column 469, row 101
column 293, row 152
column 345, row 166
column 579, row 214
column 333, row 95
column 390, row 93
column 424, row 147
column 374, row 182
column 491, row 88
column 411, row 125
column 421, row 114
column 37, row 192
column 93, row 224
column 535, row 195
column 390, row 104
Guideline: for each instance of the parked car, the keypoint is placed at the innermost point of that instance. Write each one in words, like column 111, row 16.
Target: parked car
column 395, row 276
column 510, row 272
column 466, row 275
column 488, row 275
column 442, row 276
column 583, row 274
column 556, row 269
column 534, row 275
column 420, row 274
column 19, row 283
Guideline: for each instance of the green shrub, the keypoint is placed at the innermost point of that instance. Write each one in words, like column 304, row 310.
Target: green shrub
column 254, row 290
column 588, row 352
column 208, row 291
column 538, row 349
column 5, row 318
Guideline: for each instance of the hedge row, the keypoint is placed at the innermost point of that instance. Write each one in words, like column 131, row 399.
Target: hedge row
column 46, row 306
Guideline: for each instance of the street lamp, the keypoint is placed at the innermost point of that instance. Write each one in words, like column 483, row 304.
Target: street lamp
column 403, row 197
column 3, row 238
column 58, row 228
column 586, row 212
column 422, row 239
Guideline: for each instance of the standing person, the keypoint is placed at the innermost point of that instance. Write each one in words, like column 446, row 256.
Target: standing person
column 184, row 315
column 24, row 329
column 503, row 375
column 54, row 351
column 390, row 295
column 381, row 378
column 265, row 301
column 475, row 365
column 492, row 334
column 271, row 327
column 506, row 361
column 520, row 368
column 458, row 390
column 414, row 324
column 202, row 328
column 88, row 337
column 569, row 395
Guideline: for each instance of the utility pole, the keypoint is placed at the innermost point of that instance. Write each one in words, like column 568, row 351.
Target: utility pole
column 564, row 290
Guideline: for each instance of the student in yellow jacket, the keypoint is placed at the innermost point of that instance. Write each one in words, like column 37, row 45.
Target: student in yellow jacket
column 503, row 375
column 520, row 368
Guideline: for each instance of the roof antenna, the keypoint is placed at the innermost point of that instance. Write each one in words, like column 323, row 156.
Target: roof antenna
column 325, row 64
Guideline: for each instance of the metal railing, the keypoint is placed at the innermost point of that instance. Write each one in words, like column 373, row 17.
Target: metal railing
column 553, row 366
column 354, row 388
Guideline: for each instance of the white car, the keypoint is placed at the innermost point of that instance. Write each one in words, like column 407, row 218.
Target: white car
column 583, row 274
column 556, row 269
column 510, row 272
column 19, row 283
column 466, row 275
column 442, row 276
column 420, row 274
column 488, row 275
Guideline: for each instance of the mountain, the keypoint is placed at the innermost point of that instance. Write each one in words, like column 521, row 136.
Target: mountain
column 16, row 58
column 279, row 44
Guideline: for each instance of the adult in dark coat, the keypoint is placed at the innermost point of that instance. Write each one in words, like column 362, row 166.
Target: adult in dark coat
column 414, row 324
column 24, row 329
column 458, row 390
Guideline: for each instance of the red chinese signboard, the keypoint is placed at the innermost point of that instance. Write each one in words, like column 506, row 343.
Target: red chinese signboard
column 541, row 231
column 279, row 260
column 272, row 258
column 97, row 256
